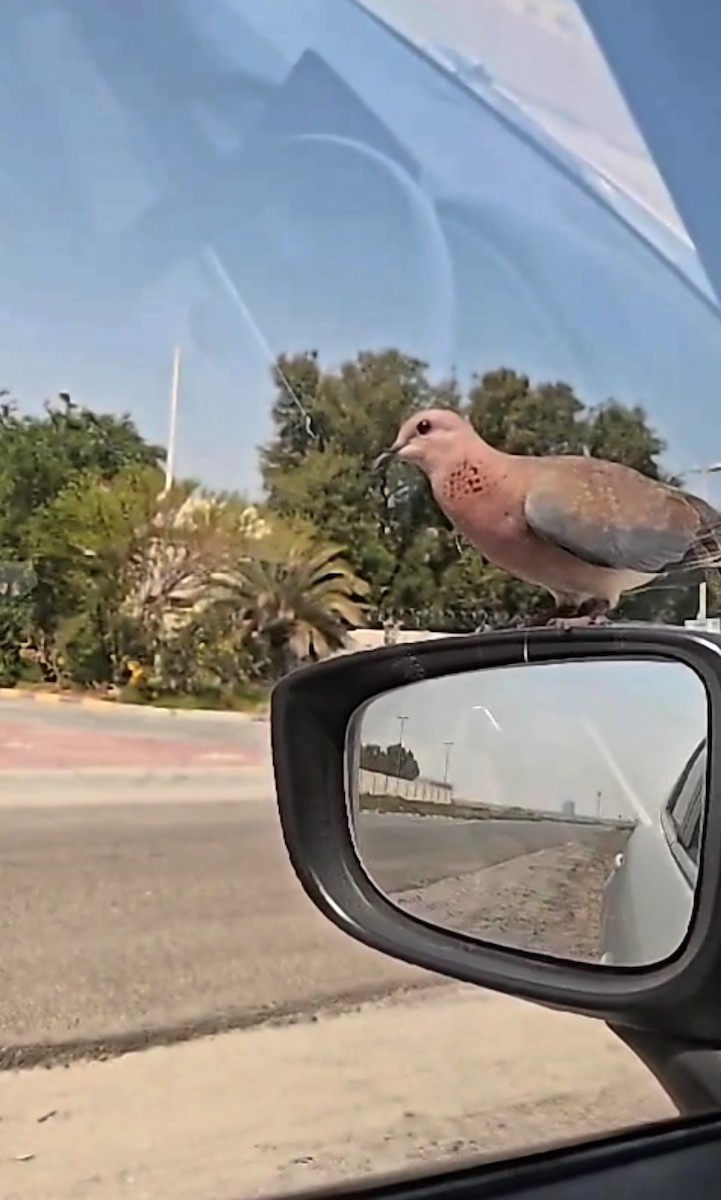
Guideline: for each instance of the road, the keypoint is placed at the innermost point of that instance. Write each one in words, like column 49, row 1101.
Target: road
column 142, row 915
column 412, row 1081
column 142, row 912
column 409, row 851
column 147, row 910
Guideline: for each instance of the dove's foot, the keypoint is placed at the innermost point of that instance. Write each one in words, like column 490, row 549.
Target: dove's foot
column 583, row 622
column 596, row 614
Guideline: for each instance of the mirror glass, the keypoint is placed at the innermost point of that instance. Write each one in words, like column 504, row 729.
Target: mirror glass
column 556, row 808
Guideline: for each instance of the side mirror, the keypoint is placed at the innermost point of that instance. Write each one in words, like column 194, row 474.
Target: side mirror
column 532, row 811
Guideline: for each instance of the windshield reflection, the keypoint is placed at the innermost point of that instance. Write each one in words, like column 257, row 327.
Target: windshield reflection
column 256, row 179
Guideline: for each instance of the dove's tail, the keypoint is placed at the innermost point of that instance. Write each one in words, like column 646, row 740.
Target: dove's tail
column 705, row 553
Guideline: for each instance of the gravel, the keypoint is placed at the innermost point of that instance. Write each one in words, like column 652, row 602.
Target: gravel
column 548, row 901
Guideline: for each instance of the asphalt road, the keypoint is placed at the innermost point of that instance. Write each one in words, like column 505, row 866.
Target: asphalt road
column 401, row 852
column 153, row 910
column 132, row 922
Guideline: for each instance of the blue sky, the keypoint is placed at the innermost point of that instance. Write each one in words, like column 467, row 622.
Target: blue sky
column 247, row 178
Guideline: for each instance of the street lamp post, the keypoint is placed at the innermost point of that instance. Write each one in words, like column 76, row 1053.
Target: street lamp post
column 401, row 727
column 704, row 474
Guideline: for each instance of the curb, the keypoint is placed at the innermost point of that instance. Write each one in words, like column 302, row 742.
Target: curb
column 103, row 785
column 117, row 706
column 79, row 789
column 45, row 775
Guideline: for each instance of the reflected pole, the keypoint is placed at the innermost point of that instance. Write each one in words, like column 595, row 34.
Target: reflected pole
column 401, row 728
column 449, row 747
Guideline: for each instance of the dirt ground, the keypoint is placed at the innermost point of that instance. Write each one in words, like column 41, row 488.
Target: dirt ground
column 549, row 901
column 413, row 1081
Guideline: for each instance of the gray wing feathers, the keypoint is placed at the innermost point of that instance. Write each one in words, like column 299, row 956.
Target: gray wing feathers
column 616, row 544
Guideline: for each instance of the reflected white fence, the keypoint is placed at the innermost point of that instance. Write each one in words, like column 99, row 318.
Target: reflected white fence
column 428, row 791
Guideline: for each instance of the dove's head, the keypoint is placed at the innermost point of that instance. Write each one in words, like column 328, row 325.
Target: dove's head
column 429, row 439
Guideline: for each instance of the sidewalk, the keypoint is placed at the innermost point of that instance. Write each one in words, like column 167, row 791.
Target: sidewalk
column 439, row 1075
column 44, row 751
column 79, row 700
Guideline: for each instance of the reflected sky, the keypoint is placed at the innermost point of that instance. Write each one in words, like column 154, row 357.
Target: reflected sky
column 247, row 178
column 498, row 44
column 597, row 734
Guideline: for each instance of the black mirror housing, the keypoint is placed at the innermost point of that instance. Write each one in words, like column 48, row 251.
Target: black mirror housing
column 311, row 714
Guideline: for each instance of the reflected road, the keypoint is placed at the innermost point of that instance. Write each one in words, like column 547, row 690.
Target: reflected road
column 410, row 851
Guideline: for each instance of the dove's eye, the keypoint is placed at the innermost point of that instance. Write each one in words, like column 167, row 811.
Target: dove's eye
column 423, row 427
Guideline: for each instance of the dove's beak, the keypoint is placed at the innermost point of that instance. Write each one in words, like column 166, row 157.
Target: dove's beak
column 385, row 457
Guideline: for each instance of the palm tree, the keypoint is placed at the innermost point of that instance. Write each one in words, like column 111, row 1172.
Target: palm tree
column 296, row 595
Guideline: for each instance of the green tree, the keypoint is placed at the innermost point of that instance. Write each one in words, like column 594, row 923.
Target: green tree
column 40, row 457
column 201, row 589
column 15, row 626
column 515, row 416
column 319, row 470
column 519, row 418
column 623, row 435
column 420, row 574
column 395, row 759
column 356, row 409
column 295, row 596
column 549, row 418
column 211, row 656
column 129, row 559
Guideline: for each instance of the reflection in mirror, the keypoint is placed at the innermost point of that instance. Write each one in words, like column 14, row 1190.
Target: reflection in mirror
column 552, row 808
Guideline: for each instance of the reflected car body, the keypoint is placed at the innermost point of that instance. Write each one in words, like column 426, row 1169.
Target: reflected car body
column 648, row 899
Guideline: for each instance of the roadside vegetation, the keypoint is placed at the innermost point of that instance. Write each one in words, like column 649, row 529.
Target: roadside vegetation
column 462, row 810
column 111, row 582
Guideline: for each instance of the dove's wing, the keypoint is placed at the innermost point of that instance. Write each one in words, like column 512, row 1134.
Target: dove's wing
column 611, row 516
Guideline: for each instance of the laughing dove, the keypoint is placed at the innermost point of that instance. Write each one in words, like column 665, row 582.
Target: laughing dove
column 584, row 529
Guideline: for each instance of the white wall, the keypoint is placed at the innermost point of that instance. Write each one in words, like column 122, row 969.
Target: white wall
column 372, row 639
column 375, row 783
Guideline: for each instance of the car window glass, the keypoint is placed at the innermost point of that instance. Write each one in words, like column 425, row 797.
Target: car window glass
column 690, row 828
column 682, row 796
column 239, row 241
column 691, row 834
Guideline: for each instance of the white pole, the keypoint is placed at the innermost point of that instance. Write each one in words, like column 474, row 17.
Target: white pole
column 702, row 588
column 705, row 474
column 173, row 424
